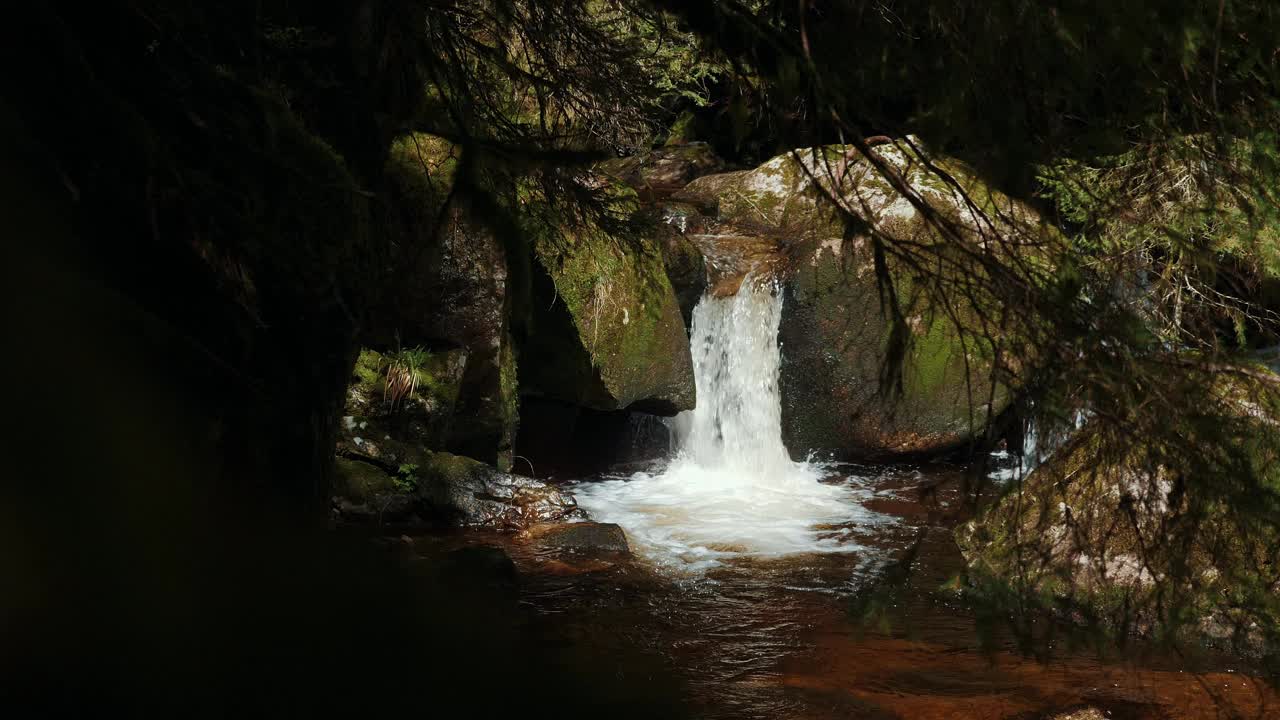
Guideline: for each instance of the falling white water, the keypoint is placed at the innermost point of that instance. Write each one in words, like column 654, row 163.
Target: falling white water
column 731, row 490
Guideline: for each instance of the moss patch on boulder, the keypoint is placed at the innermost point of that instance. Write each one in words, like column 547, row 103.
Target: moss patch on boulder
column 833, row 334
column 379, row 424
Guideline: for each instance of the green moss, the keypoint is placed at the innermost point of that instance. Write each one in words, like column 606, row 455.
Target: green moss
column 509, row 390
column 682, row 130
column 448, row 468
column 423, row 164
column 933, row 359
column 361, row 481
column 369, row 369
column 624, row 314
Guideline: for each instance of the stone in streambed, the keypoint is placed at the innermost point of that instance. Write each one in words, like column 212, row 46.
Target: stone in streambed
column 442, row 489
column 582, row 537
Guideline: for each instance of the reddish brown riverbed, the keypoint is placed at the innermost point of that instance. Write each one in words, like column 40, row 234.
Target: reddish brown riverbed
column 846, row 635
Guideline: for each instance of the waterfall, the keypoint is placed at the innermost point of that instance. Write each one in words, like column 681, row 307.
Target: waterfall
column 737, row 425
column 731, row 490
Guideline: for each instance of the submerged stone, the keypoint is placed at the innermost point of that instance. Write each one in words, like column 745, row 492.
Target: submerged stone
column 587, row 537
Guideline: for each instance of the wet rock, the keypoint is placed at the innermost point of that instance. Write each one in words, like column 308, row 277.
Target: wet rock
column 603, row 328
column 661, row 171
column 776, row 219
column 444, row 489
column 586, row 537
column 686, row 269
column 1088, row 713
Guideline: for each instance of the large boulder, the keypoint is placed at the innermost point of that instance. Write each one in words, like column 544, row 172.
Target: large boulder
column 450, row 290
column 1144, row 532
column 835, row 331
column 603, row 329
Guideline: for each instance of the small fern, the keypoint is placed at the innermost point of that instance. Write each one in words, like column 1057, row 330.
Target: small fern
column 402, row 369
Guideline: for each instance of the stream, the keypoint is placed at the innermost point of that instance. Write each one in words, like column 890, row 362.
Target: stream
column 762, row 587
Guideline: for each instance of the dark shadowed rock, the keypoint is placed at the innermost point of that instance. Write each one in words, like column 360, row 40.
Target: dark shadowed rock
column 449, row 290
column 559, row 439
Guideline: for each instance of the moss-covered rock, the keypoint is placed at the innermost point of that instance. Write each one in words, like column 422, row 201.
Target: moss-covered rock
column 604, row 328
column 835, row 331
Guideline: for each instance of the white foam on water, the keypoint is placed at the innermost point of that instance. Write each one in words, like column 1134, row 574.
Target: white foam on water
column 731, row 490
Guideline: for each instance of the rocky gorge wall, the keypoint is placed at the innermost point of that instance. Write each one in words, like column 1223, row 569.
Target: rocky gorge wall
column 555, row 362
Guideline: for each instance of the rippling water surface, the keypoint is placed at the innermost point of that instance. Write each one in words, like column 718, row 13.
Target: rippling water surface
column 879, row 631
